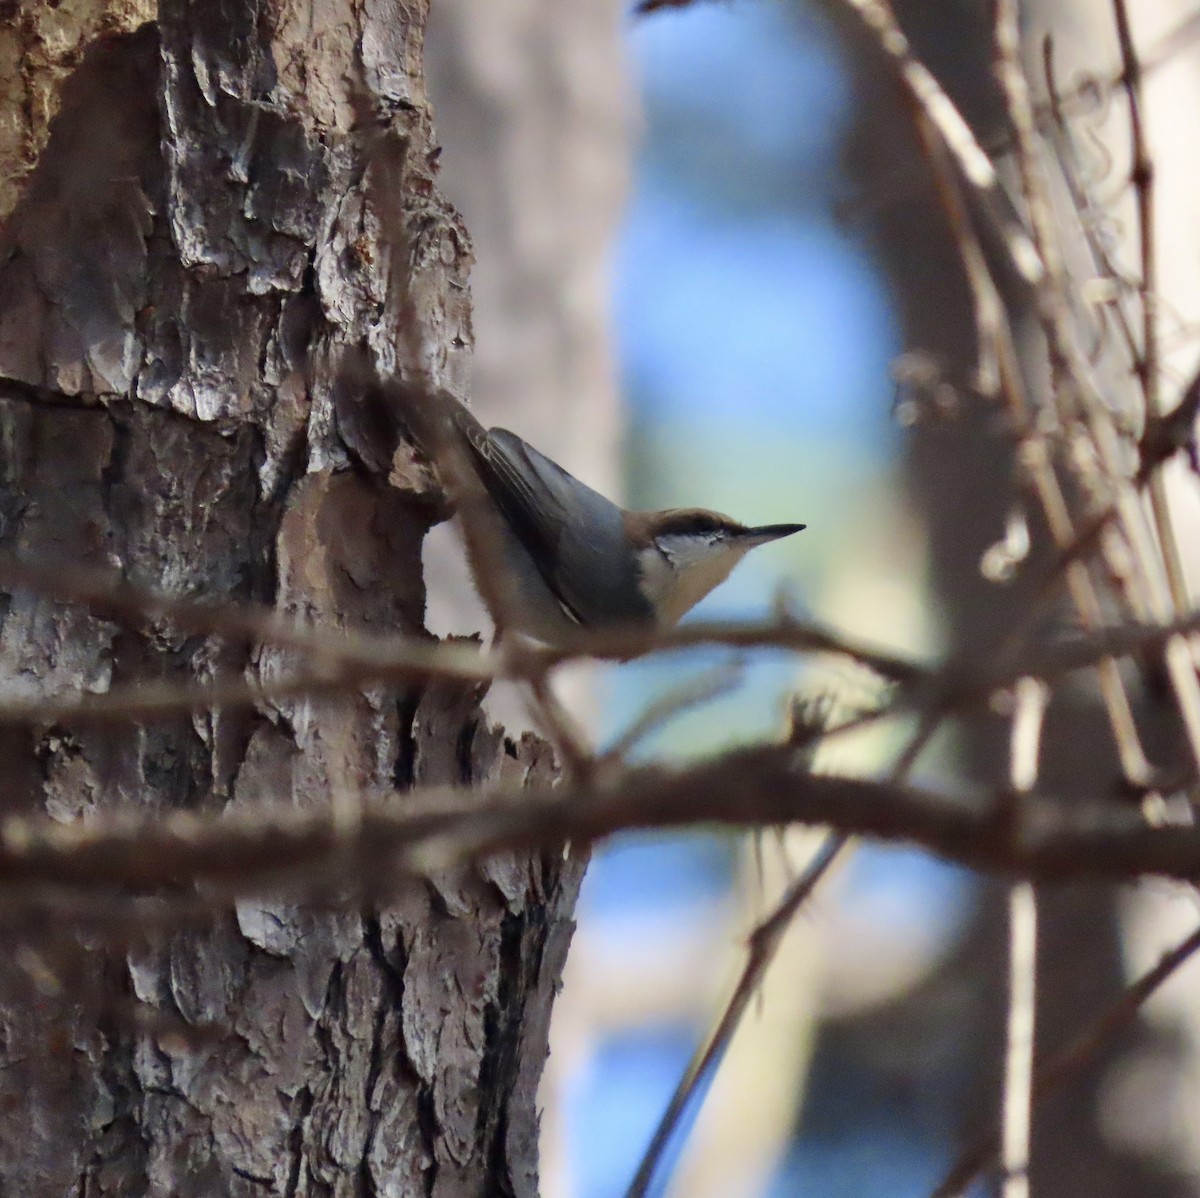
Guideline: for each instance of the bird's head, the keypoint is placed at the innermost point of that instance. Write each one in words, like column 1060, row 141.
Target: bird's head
column 684, row 553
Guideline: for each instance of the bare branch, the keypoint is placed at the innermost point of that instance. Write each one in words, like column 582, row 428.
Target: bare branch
column 971, row 161
column 256, row 849
column 1178, row 656
column 376, row 657
column 1001, row 377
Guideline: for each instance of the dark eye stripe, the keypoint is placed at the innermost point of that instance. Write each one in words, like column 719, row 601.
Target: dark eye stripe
column 694, row 524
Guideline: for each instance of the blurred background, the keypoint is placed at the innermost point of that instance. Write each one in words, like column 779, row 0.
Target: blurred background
column 755, row 336
column 710, row 271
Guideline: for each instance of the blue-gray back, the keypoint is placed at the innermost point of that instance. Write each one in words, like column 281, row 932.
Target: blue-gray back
column 573, row 534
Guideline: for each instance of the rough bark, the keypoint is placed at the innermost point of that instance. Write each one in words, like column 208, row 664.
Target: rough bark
column 227, row 201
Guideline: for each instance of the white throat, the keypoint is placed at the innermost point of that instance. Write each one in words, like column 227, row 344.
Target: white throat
column 678, row 571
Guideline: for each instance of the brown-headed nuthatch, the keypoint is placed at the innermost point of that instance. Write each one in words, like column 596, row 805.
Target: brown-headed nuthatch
column 576, row 559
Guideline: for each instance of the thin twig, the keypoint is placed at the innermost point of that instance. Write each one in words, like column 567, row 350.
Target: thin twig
column 1018, row 1062
column 971, row 161
column 1180, row 666
column 560, row 728
column 1164, row 437
column 105, row 592
column 1070, row 370
column 763, row 944
column 1080, row 99
column 1082, row 203
column 158, row 699
column 380, row 657
column 1049, row 294
column 782, row 631
column 1001, row 378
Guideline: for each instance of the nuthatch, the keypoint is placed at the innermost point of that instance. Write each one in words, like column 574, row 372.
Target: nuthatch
column 575, row 559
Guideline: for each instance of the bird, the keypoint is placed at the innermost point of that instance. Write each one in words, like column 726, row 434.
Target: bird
column 550, row 555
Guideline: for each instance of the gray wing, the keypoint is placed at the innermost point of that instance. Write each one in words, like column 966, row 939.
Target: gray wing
column 573, row 534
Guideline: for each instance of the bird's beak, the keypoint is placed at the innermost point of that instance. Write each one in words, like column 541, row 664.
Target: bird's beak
column 771, row 532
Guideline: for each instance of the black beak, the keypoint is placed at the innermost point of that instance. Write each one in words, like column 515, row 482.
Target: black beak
column 772, row 532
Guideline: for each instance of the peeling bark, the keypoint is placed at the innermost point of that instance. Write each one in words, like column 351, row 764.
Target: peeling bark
column 209, row 226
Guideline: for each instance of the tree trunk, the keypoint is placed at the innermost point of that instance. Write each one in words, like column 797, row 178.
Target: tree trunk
column 209, row 227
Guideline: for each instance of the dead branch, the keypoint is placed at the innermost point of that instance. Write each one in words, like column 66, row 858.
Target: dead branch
column 268, row 848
